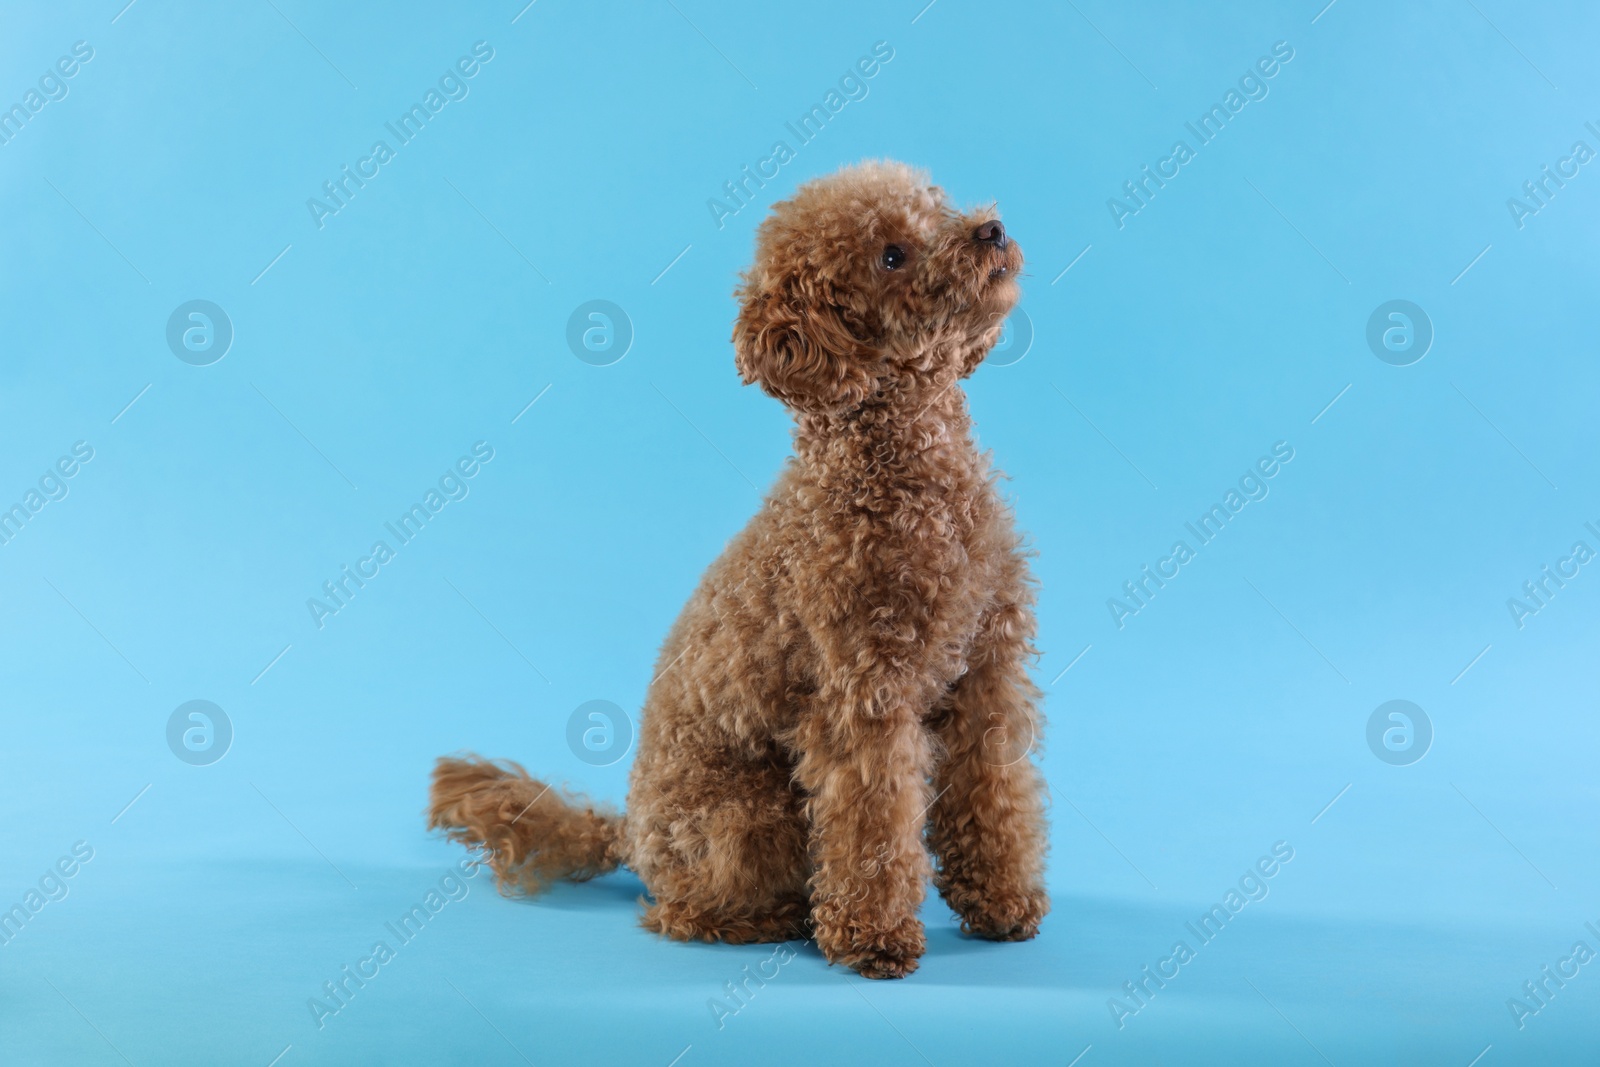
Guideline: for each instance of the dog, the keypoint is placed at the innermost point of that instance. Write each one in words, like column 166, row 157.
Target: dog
column 843, row 708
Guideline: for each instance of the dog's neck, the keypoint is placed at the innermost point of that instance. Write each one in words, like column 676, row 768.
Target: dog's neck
column 914, row 434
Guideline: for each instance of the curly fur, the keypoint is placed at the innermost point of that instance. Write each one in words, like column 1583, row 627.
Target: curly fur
column 846, row 691
column 531, row 834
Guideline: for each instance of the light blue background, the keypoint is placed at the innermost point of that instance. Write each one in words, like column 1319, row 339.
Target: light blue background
column 426, row 315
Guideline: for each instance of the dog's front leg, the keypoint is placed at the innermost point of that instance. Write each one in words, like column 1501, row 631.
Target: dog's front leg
column 865, row 772
column 987, row 825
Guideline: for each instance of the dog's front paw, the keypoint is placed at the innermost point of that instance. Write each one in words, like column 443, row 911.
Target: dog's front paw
column 873, row 951
column 1001, row 915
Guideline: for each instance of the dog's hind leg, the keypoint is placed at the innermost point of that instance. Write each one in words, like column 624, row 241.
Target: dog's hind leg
column 986, row 828
column 721, row 849
column 681, row 920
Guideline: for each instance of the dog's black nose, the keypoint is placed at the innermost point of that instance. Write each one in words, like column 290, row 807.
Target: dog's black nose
column 991, row 232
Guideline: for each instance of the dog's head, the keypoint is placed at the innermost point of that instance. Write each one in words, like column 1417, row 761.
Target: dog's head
column 866, row 282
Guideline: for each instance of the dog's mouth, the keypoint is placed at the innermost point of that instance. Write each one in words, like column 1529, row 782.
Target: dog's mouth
column 1004, row 262
column 999, row 285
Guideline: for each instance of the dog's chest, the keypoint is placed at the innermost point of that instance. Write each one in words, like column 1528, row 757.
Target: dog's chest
column 891, row 552
column 925, row 553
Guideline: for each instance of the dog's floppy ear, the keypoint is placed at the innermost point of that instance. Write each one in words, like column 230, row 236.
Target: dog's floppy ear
column 800, row 348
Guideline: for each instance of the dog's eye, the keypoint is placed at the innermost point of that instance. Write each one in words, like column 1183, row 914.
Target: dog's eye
column 894, row 257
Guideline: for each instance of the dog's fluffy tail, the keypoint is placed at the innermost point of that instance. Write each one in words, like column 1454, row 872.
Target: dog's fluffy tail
column 533, row 834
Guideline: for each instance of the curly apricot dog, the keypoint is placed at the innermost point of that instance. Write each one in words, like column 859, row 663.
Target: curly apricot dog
column 846, row 690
